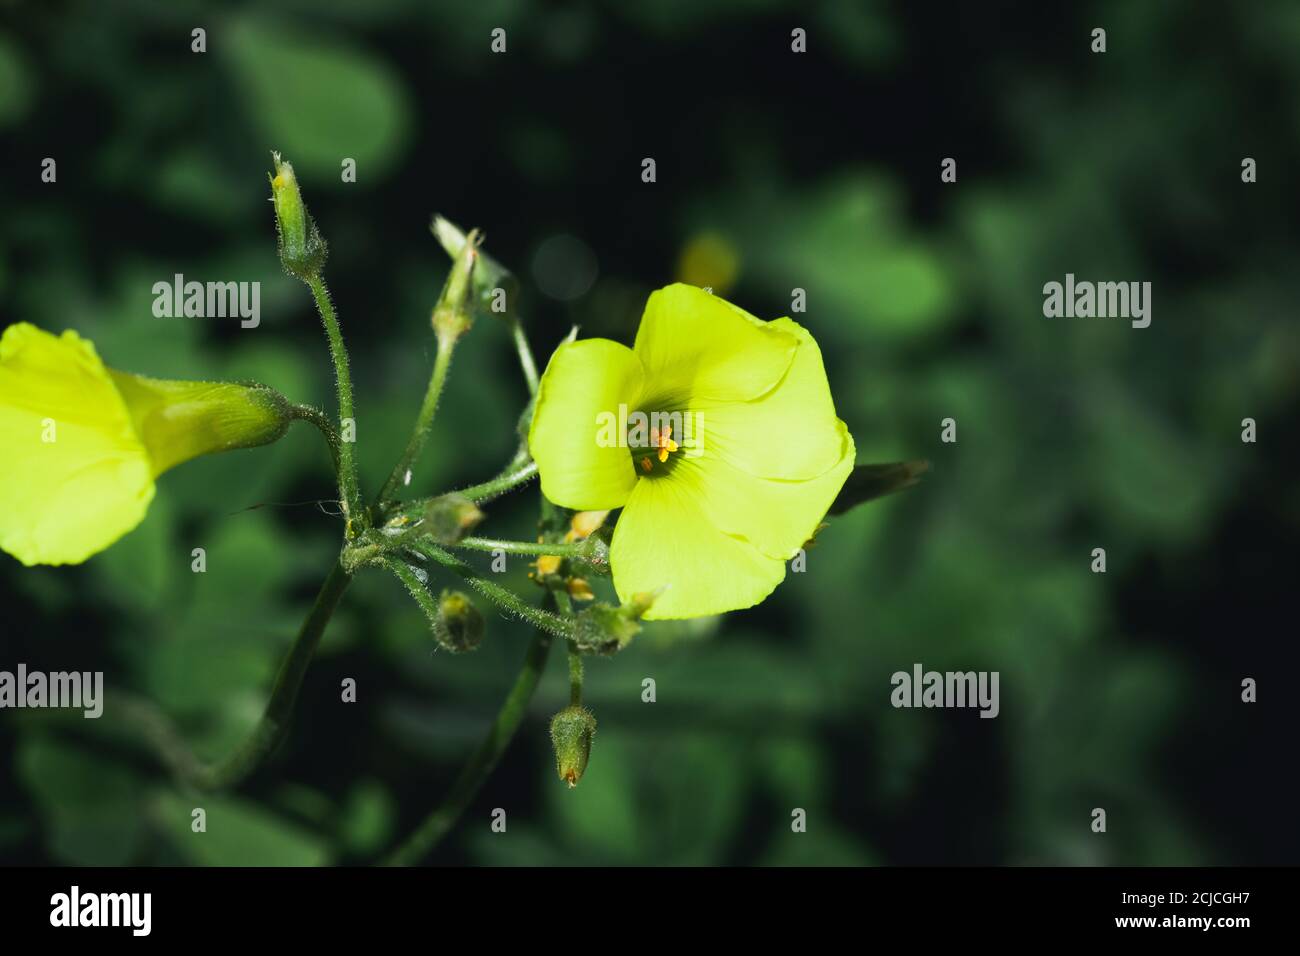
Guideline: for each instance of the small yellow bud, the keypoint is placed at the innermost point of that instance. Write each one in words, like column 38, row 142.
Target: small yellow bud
column 579, row 590
column 547, row 564
column 584, row 523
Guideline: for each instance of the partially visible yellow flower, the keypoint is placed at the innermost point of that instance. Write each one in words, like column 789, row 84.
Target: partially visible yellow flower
column 83, row 443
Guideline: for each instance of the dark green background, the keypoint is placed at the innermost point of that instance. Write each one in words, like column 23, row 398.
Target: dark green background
column 818, row 171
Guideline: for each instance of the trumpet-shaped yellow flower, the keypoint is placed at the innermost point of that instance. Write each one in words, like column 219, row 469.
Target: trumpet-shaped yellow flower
column 717, row 436
column 83, row 443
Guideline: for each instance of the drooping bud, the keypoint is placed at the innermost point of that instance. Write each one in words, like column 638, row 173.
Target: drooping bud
column 179, row 420
column 302, row 250
column 572, row 730
column 453, row 315
column 459, row 626
column 450, row 517
column 606, row 629
column 494, row 287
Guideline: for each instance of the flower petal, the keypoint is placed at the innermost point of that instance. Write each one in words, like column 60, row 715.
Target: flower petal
column 63, row 500
column 579, row 466
column 694, row 345
column 791, row 432
column 775, row 515
column 664, row 539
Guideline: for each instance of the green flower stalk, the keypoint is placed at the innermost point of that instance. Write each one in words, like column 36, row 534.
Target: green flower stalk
column 302, row 253
column 452, row 318
column 494, row 291
column 717, row 436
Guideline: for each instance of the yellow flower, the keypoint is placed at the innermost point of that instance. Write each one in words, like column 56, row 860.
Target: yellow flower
column 717, row 436
column 83, row 443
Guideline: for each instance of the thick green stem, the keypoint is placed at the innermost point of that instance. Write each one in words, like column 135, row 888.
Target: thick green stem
column 483, row 761
column 270, row 730
column 349, row 490
column 400, row 476
column 274, row 725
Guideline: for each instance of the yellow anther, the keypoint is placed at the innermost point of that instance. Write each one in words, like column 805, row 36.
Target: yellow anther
column 663, row 442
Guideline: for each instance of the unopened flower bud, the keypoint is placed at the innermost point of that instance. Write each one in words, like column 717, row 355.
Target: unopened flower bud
column 453, row 315
column 571, row 732
column 449, row 517
column 579, row 589
column 606, row 629
column 459, row 626
column 302, row 250
column 493, row 286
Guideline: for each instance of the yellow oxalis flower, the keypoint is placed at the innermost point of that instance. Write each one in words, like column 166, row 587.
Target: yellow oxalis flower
column 83, row 443
column 717, row 436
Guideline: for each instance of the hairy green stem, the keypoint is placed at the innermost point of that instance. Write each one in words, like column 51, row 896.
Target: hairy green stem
column 574, row 550
column 428, row 408
column 509, row 479
column 503, row 597
column 349, row 490
column 417, row 588
column 314, row 416
column 526, row 361
column 483, row 761
column 576, row 671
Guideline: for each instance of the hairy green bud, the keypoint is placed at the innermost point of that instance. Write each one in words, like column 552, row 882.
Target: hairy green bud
column 449, row 517
column 459, row 626
column 571, row 732
column 606, row 629
column 302, row 250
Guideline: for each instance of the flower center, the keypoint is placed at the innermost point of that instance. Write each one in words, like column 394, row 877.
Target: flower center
column 654, row 454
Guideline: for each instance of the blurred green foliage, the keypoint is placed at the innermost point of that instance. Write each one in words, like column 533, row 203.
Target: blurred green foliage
column 818, row 172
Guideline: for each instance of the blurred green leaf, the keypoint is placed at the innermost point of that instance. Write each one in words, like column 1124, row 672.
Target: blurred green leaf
column 238, row 833
column 87, row 803
column 318, row 100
